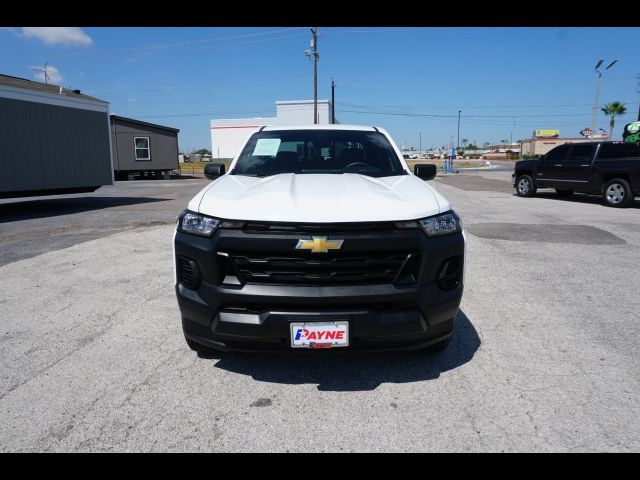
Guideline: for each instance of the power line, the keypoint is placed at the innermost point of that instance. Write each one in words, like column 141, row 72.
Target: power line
column 473, row 120
column 177, row 87
column 475, row 106
column 217, row 113
column 170, row 48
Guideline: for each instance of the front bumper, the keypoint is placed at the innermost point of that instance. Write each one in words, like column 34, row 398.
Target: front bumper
column 256, row 317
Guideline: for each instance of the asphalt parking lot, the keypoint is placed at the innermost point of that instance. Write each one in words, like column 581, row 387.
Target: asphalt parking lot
column 544, row 356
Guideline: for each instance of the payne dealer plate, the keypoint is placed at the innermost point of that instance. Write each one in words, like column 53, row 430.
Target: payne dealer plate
column 319, row 334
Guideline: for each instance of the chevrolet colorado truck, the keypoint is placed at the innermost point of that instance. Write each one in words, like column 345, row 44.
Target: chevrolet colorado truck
column 610, row 169
column 318, row 237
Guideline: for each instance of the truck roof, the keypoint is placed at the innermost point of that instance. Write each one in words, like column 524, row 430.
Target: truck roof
column 364, row 128
column 596, row 142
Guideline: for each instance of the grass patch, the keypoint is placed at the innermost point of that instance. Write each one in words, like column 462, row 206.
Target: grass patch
column 198, row 168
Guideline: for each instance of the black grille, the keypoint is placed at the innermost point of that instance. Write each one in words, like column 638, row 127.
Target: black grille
column 188, row 271
column 318, row 227
column 313, row 307
column 324, row 269
column 450, row 273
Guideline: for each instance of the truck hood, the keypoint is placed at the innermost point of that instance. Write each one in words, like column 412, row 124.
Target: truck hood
column 319, row 198
column 532, row 162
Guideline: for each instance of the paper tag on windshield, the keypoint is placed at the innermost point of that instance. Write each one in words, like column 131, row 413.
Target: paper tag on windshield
column 266, row 147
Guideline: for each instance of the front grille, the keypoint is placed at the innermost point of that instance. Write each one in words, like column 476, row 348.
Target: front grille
column 318, row 227
column 188, row 272
column 314, row 307
column 329, row 269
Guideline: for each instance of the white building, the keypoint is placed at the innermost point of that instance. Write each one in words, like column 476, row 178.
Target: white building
column 228, row 134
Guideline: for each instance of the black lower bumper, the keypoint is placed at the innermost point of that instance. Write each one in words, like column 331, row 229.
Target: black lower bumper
column 257, row 317
column 377, row 318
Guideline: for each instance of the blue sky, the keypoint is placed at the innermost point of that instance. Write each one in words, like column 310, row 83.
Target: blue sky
column 506, row 81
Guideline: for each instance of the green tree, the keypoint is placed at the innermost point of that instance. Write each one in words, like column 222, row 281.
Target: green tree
column 202, row 151
column 615, row 109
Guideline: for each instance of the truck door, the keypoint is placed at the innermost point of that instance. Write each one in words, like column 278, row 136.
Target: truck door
column 550, row 172
column 576, row 172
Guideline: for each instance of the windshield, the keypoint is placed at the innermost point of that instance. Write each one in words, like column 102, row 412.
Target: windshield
column 318, row 151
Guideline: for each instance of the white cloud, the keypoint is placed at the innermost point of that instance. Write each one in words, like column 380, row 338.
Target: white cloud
column 72, row 36
column 52, row 72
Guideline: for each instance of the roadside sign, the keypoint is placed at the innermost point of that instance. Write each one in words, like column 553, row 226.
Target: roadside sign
column 631, row 132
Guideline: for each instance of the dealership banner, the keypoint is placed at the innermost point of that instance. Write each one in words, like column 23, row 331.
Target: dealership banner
column 546, row 133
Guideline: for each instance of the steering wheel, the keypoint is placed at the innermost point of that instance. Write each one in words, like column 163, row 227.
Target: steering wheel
column 357, row 164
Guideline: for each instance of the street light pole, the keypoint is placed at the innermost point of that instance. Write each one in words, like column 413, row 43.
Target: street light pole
column 420, row 147
column 638, row 90
column 450, row 169
column 596, row 104
column 333, row 102
column 458, row 145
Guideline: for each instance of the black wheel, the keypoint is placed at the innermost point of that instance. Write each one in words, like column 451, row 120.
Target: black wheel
column 202, row 349
column 617, row 193
column 438, row 347
column 525, row 186
column 563, row 192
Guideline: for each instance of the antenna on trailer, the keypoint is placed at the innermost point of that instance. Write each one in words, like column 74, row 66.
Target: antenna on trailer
column 44, row 71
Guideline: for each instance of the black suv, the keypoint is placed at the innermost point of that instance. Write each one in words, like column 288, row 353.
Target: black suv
column 610, row 169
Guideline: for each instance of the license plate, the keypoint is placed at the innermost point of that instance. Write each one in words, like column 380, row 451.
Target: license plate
column 319, row 334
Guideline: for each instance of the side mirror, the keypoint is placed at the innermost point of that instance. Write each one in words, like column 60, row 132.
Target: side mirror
column 214, row 170
column 425, row 171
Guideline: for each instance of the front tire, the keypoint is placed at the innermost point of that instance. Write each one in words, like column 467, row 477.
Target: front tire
column 563, row 192
column 617, row 193
column 525, row 186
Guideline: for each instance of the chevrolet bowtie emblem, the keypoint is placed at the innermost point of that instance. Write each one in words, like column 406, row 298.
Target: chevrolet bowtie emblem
column 319, row 244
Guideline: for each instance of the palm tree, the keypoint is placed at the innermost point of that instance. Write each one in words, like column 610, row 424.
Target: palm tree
column 615, row 109
column 464, row 142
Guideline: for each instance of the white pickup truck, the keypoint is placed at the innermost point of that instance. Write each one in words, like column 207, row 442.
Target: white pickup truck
column 318, row 237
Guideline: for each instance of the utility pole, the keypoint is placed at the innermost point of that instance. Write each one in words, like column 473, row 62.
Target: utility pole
column 314, row 31
column 309, row 53
column 420, row 148
column 333, row 101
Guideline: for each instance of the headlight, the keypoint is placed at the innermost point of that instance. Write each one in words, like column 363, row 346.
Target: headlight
column 197, row 224
column 442, row 224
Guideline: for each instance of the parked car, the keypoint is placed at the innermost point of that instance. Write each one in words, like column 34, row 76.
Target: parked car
column 610, row 169
column 318, row 237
